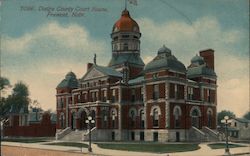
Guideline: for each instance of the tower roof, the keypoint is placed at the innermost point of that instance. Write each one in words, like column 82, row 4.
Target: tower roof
column 126, row 23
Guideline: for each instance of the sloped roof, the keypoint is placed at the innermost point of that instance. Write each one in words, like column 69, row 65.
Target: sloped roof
column 108, row 71
column 136, row 80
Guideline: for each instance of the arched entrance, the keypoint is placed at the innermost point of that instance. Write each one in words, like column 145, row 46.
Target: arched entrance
column 195, row 118
column 73, row 120
column 82, row 119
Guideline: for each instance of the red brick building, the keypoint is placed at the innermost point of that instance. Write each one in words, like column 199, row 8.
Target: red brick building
column 160, row 101
column 33, row 123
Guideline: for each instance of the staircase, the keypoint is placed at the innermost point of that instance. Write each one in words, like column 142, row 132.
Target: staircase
column 212, row 135
column 77, row 135
column 204, row 134
column 62, row 133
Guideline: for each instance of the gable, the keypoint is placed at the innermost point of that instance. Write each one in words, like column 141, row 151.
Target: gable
column 93, row 73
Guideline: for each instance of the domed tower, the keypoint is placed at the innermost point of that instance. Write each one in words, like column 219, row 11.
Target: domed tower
column 126, row 45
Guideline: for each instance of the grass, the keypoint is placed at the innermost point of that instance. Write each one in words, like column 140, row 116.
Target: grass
column 25, row 140
column 150, row 147
column 72, row 144
column 223, row 145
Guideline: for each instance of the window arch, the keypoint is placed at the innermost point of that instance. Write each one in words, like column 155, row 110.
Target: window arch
column 104, row 116
column 142, row 118
column 132, row 115
column 209, row 117
column 195, row 113
column 62, row 120
column 155, row 117
column 177, row 116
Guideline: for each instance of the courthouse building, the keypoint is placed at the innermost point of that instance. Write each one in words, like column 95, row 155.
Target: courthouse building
column 162, row 100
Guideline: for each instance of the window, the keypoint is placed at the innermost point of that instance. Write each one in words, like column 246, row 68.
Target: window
column 113, row 119
column 133, row 95
column 79, row 98
column 142, row 118
column 62, row 118
column 142, row 136
column 113, row 96
column 132, row 115
column 235, row 124
column 177, row 114
column 104, row 95
column 142, row 94
column 209, row 119
column 155, row 118
column 125, row 46
column 132, row 135
column 155, row 134
column 246, row 125
column 190, row 93
column 104, row 119
column 156, row 91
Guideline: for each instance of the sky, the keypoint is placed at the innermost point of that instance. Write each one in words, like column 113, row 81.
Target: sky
column 40, row 49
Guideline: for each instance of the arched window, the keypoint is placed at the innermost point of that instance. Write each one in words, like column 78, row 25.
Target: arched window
column 177, row 114
column 73, row 120
column 132, row 115
column 142, row 118
column 62, row 121
column 155, row 118
column 195, row 114
column 209, row 118
column 104, row 119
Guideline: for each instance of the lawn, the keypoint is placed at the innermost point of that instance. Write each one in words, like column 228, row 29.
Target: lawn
column 72, row 144
column 25, row 140
column 223, row 145
column 150, row 147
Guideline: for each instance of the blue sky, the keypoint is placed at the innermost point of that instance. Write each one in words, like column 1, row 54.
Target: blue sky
column 40, row 50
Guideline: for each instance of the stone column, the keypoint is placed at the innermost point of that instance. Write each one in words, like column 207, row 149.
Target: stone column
column 145, row 105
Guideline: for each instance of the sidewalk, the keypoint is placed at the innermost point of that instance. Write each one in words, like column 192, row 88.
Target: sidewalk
column 204, row 150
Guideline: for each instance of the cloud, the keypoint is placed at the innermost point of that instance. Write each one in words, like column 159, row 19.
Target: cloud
column 69, row 36
column 43, row 57
column 185, row 40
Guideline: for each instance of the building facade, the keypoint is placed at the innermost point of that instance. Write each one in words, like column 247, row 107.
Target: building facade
column 160, row 101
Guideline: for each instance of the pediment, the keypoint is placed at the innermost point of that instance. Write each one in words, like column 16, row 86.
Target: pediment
column 93, row 73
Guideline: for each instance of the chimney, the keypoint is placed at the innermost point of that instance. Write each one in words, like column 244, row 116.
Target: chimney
column 208, row 56
column 89, row 65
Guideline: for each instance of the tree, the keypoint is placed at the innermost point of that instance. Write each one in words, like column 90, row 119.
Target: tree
column 4, row 83
column 20, row 96
column 247, row 115
column 224, row 113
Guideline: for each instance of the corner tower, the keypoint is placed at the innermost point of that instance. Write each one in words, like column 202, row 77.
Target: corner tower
column 126, row 45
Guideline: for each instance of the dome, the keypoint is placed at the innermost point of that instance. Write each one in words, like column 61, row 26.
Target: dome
column 164, row 50
column 70, row 81
column 166, row 61
column 126, row 23
column 70, row 75
column 197, row 59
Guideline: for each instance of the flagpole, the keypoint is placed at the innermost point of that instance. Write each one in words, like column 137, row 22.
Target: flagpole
column 125, row 4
